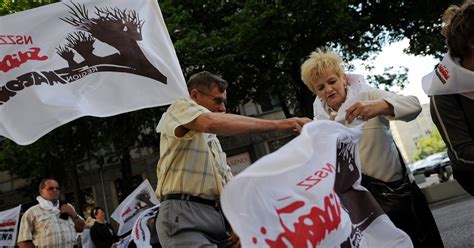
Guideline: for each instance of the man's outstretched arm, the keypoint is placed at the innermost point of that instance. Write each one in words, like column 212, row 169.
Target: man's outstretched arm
column 230, row 124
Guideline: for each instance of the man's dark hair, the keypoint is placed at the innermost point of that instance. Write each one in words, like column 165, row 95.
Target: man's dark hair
column 205, row 81
column 94, row 211
column 43, row 182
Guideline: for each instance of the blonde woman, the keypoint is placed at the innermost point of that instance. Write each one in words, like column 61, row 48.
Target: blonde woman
column 347, row 98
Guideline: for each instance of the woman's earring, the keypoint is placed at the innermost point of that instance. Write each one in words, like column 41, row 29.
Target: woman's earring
column 345, row 86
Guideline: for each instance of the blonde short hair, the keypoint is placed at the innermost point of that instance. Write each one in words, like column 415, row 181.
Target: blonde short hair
column 319, row 62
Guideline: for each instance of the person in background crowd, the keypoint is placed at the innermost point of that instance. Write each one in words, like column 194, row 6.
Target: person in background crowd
column 86, row 241
column 451, row 87
column 102, row 233
column 346, row 98
column 192, row 169
column 154, row 241
column 50, row 223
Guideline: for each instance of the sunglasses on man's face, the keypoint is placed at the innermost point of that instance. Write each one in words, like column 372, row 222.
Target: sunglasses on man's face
column 217, row 99
column 51, row 188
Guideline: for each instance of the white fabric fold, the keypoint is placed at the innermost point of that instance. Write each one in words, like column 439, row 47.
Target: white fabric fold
column 48, row 205
column 159, row 127
column 449, row 77
column 357, row 91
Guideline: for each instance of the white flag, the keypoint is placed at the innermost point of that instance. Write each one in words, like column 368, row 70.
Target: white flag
column 141, row 199
column 449, row 77
column 308, row 194
column 9, row 220
column 124, row 242
column 99, row 58
column 140, row 231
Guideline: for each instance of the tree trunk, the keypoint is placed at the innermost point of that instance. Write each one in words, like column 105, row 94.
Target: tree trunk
column 69, row 158
column 78, row 200
column 126, row 169
column 284, row 106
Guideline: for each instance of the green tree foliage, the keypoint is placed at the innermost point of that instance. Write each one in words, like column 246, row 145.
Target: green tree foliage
column 259, row 45
column 429, row 145
column 390, row 78
column 118, row 135
column 419, row 21
column 54, row 155
column 12, row 6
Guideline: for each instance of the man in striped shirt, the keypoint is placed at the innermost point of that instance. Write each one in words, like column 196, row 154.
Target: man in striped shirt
column 192, row 169
column 49, row 223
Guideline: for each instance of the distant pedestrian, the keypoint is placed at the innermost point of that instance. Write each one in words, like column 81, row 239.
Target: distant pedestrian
column 86, row 241
column 102, row 232
column 50, row 223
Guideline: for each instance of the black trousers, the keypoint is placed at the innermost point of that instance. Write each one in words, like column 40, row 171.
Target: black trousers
column 416, row 220
column 465, row 179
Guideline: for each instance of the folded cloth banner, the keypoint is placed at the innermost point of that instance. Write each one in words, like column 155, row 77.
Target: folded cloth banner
column 125, row 242
column 99, row 58
column 140, row 231
column 141, row 199
column 357, row 91
column 308, row 194
column 449, row 77
column 9, row 226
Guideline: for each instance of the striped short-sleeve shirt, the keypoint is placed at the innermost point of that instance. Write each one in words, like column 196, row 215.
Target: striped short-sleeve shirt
column 45, row 229
column 193, row 164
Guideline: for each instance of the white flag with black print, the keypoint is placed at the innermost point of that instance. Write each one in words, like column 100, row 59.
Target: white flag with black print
column 83, row 57
column 125, row 242
column 308, row 194
column 141, row 232
column 9, row 223
column 128, row 211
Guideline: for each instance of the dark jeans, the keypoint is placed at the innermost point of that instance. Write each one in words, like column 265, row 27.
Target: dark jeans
column 408, row 210
column 465, row 179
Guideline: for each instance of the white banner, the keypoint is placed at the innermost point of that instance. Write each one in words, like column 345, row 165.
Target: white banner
column 308, row 194
column 141, row 199
column 9, row 220
column 140, row 231
column 125, row 242
column 99, row 58
column 449, row 77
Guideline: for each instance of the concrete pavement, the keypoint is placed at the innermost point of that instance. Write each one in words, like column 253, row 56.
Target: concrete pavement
column 452, row 208
column 437, row 192
column 455, row 220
